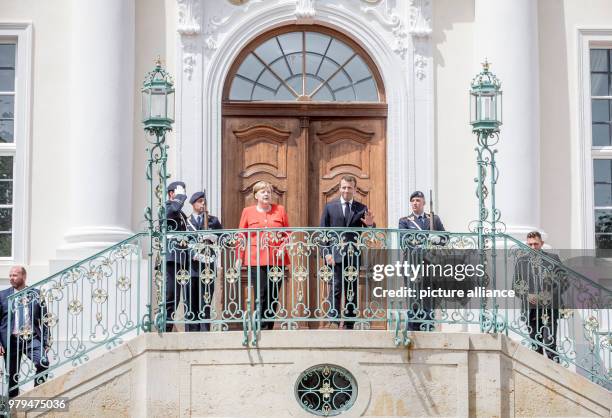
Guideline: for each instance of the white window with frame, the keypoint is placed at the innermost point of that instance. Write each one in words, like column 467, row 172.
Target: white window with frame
column 601, row 144
column 8, row 146
column 15, row 74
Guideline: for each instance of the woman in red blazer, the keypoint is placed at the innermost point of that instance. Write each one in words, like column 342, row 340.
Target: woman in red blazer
column 265, row 253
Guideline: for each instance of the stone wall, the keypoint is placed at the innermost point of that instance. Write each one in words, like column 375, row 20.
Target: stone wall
column 213, row 375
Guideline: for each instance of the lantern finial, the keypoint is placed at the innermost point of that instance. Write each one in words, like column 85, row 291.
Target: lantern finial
column 486, row 65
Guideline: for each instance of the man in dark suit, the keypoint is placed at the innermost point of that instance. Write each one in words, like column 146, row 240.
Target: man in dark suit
column 540, row 284
column 177, row 257
column 345, row 212
column 413, row 244
column 28, row 334
column 203, row 271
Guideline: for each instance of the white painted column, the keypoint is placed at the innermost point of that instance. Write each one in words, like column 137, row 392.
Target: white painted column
column 99, row 198
column 506, row 32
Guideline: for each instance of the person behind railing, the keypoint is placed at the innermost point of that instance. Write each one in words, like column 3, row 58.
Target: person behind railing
column 177, row 261
column 203, row 264
column 29, row 335
column 540, row 285
column 265, row 255
column 421, row 310
column 344, row 212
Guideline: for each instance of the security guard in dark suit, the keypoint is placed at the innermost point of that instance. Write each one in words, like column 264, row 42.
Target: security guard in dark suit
column 203, row 259
column 412, row 244
column 177, row 257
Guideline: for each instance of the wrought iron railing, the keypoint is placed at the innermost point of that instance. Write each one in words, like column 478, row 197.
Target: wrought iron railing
column 61, row 321
column 256, row 279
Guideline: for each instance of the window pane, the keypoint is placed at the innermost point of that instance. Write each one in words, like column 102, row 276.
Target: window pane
column 7, row 107
column 6, row 219
column 6, row 167
column 602, row 173
column 291, row 42
column 366, row 91
column 6, row 131
column 7, row 80
column 251, row 67
column 241, row 89
column 6, row 180
column 599, row 60
column 328, row 67
column 295, row 62
column 601, row 110
column 357, row 69
column 603, row 221
column 599, row 85
column 339, row 80
column 269, row 80
column 601, row 135
column 269, row 51
column 7, row 55
column 263, row 93
column 339, row 52
column 5, row 245
column 317, row 42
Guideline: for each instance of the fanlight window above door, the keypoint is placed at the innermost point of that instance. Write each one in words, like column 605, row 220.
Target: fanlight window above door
column 304, row 66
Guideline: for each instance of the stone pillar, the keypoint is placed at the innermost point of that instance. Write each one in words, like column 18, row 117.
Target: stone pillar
column 99, row 197
column 506, row 32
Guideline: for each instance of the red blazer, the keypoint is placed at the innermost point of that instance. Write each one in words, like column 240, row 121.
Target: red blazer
column 269, row 243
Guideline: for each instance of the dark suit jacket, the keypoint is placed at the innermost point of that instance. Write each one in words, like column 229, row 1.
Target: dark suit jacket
column 193, row 225
column 545, row 279
column 177, row 221
column 35, row 310
column 333, row 217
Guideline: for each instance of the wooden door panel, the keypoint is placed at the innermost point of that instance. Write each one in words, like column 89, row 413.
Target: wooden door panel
column 261, row 149
column 348, row 147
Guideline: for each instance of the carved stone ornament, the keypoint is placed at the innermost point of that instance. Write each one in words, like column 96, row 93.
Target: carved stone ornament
column 420, row 24
column 304, row 9
column 189, row 12
column 390, row 20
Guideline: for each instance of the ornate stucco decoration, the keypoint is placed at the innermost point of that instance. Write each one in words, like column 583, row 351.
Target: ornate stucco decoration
column 391, row 21
column 211, row 41
column 305, row 9
column 420, row 23
column 189, row 13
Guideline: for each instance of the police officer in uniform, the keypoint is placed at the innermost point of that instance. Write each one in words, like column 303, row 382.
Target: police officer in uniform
column 203, row 271
column 412, row 244
column 176, row 254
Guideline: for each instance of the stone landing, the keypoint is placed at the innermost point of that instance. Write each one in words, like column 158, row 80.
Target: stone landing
column 213, row 375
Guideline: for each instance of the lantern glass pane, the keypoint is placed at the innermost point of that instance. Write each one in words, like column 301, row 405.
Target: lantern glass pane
column 146, row 114
column 170, row 103
column 158, row 103
column 473, row 105
column 486, row 105
column 500, row 113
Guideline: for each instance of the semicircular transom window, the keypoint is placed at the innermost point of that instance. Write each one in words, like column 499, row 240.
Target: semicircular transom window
column 304, row 66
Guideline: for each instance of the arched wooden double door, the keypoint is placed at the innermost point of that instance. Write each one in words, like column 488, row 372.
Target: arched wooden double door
column 303, row 107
